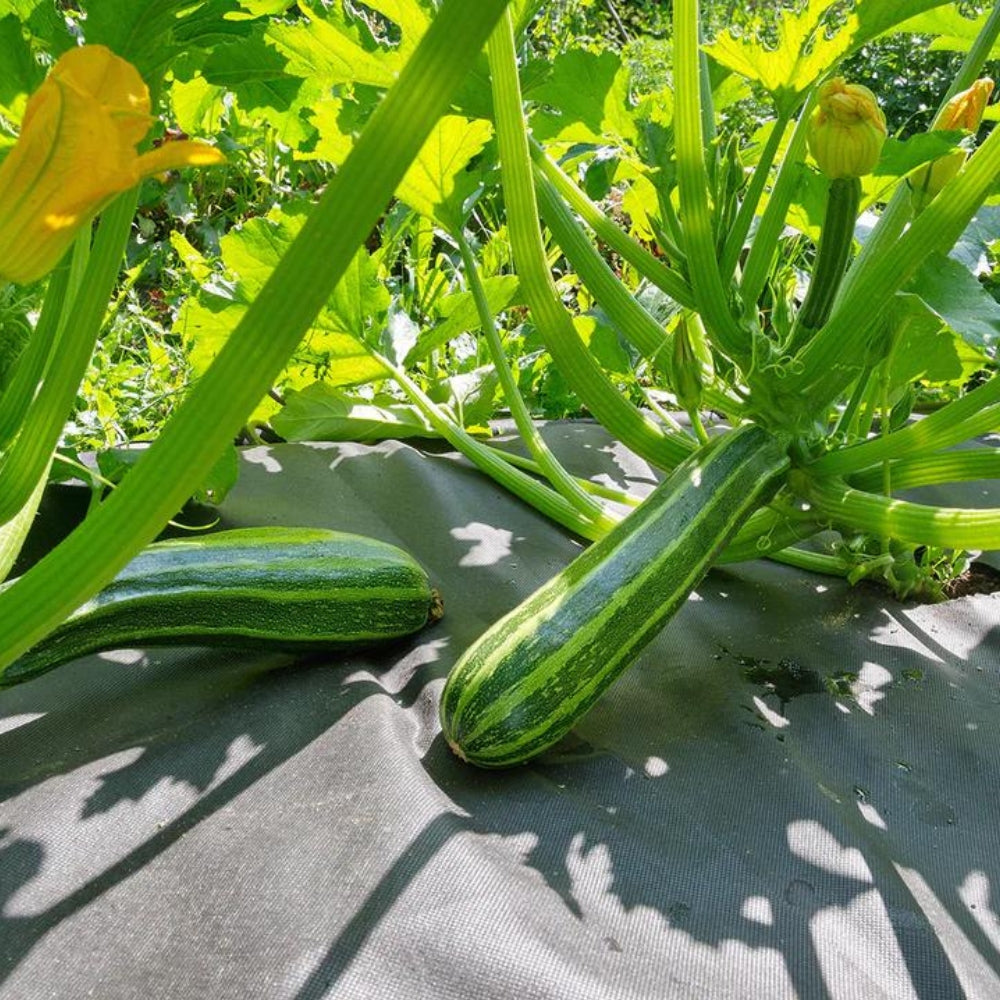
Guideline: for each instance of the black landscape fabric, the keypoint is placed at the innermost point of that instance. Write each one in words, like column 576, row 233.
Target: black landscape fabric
column 793, row 794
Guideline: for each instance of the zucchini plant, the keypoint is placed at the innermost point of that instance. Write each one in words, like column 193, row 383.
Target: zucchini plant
column 798, row 383
column 805, row 383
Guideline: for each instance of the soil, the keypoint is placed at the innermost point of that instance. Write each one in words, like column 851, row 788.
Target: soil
column 979, row 578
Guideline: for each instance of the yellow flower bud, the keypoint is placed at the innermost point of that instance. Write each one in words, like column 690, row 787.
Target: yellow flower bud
column 847, row 130
column 963, row 111
column 76, row 151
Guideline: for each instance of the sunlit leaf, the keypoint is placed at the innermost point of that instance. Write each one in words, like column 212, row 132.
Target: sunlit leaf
column 803, row 51
column 951, row 30
column 409, row 16
column 927, row 350
column 320, row 412
column 149, row 33
column 335, row 349
column 585, row 98
column 459, row 315
column 957, row 297
column 437, row 183
column 259, row 8
column 196, row 104
column 900, row 157
column 21, row 71
column 317, row 51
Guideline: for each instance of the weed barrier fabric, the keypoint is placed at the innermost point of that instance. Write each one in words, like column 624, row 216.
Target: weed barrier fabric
column 792, row 794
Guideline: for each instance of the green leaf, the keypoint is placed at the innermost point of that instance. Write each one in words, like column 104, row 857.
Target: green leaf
column 317, row 51
column 149, row 33
column 221, row 478
column 954, row 295
column 927, row 350
column 951, row 30
column 437, row 183
column 603, row 343
column 259, row 8
column 972, row 248
column 337, row 122
column 360, row 301
column 196, row 104
column 21, row 74
column 408, row 16
column 322, row 413
column 588, row 96
column 258, row 75
column 334, row 348
column 899, row 157
column 459, row 315
column 470, row 395
column 802, row 53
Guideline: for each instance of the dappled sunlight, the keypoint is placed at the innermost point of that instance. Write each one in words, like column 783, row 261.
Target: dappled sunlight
column 490, row 545
column 871, row 685
column 978, row 978
column 976, row 893
column 264, row 457
column 12, row 722
column 812, row 842
column 842, row 937
column 895, row 634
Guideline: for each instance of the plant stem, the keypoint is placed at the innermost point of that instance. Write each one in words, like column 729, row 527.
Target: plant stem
column 652, row 269
column 489, row 460
column 273, row 325
column 597, row 489
column 29, row 456
column 622, row 420
column 751, row 199
column 711, row 295
column 881, row 516
column 977, row 412
column 772, row 222
column 930, row 470
column 563, row 482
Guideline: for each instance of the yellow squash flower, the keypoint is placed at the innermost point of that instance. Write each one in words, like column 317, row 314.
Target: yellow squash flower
column 963, row 111
column 76, row 151
column 847, row 130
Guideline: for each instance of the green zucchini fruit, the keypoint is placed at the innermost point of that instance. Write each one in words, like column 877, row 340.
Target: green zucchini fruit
column 263, row 588
column 530, row 677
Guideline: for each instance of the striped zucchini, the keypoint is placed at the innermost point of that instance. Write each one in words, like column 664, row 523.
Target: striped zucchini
column 264, row 588
column 530, row 678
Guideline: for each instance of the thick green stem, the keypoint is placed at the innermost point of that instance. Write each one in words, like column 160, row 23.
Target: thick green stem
column 563, row 482
column 881, row 516
column 977, row 412
column 711, row 294
column 652, row 269
column 575, row 362
column 812, row 562
column 931, row 470
column 751, row 199
column 772, row 221
column 29, row 456
column 33, row 360
column 257, row 350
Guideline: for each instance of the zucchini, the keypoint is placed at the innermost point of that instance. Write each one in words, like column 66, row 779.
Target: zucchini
column 532, row 675
column 265, row 588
